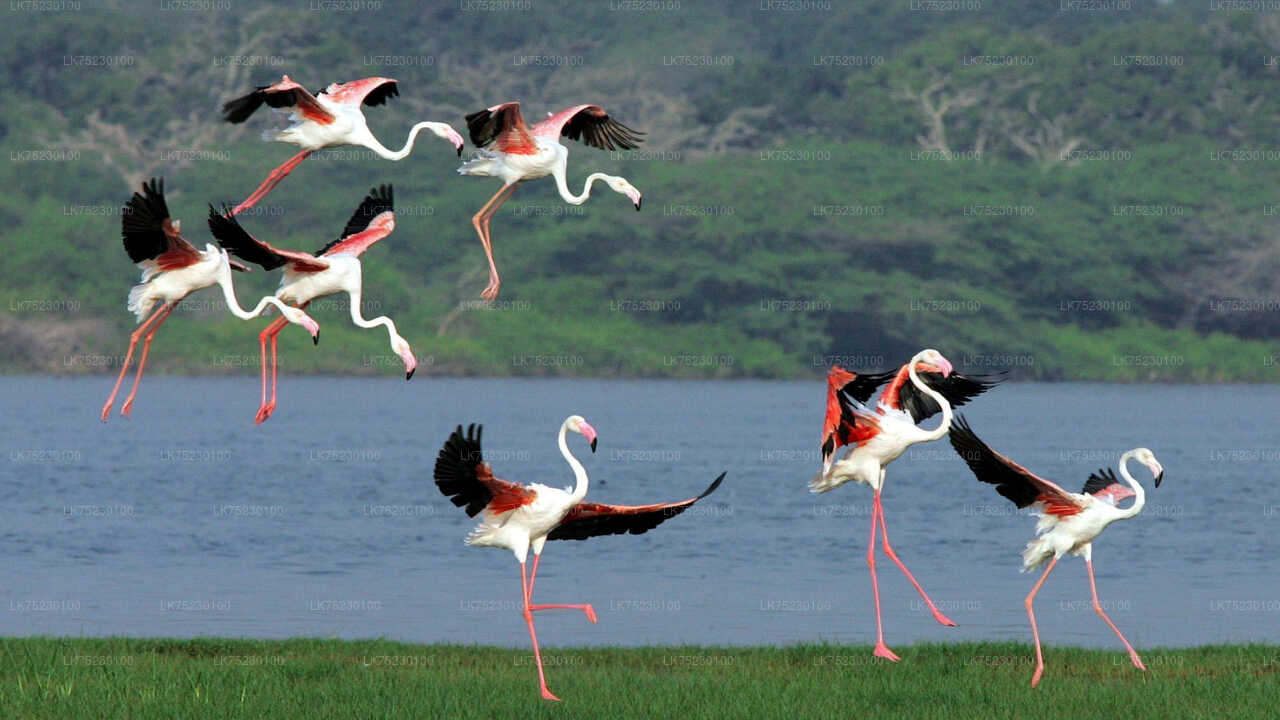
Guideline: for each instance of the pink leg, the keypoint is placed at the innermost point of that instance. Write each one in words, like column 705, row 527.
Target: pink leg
column 881, row 650
column 268, row 334
column 127, row 407
column 888, row 550
column 481, row 223
column 273, row 179
column 590, row 611
column 1093, row 588
column 1035, row 632
column 533, row 636
column 128, row 356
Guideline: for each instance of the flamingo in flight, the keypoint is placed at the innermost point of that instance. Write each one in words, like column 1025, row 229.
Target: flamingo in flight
column 915, row 392
column 523, row 517
column 329, row 118
column 172, row 268
column 513, row 152
column 1069, row 521
column 332, row 269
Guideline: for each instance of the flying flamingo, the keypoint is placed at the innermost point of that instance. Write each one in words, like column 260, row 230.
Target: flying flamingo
column 520, row 517
column 333, row 268
column 882, row 434
column 522, row 153
column 172, row 268
column 1068, row 521
column 329, row 118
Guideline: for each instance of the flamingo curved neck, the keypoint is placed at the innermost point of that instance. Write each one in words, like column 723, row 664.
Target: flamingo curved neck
column 579, row 472
column 233, row 304
column 937, row 397
column 402, row 152
column 1139, row 495
column 381, row 320
column 562, row 185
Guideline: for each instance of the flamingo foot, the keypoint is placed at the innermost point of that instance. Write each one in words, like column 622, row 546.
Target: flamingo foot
column 127, row 407
column 591, row 615
column 106, row 411
column 1137, row 661
column 264, row 412
column 546, row 695
column 1035, row 679
column 491, row 292
column 942, row 619
column 883, row 651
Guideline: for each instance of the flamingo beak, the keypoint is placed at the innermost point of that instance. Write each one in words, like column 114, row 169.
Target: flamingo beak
column 945, row 366
column 410, row 364
column 312, row 327
column 635, row 197
column 456, row 139
column 1157, row 470
column 589, row 433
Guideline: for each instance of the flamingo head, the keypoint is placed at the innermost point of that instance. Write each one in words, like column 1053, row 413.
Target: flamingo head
column 1148, row 458
column 401, row 348
column 297, row 317
column 577, row 424
column 446, row 131
column 931, row 360
column 620, row 185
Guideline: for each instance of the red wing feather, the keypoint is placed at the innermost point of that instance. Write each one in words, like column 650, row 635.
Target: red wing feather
column 370, row 91
column 590, row 519
column 507, row 496
column 1013, row 481
column 590, row 124
column 503, row 126
column 844, row 424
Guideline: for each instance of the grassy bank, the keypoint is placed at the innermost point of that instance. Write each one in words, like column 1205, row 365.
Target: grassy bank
column 216, row 678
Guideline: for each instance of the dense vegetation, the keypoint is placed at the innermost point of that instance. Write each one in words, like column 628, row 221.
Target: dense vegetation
column 1066, row 194
column 216, row 678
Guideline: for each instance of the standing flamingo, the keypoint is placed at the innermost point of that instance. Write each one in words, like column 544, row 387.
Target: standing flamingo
column 333, row 268
column 1068, row 521
column 522, row 153
column 520, row 517
column 329, row 118
column 172, row 268
column 879, row 436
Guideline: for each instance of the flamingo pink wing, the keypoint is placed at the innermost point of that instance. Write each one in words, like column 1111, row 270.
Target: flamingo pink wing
column 1013, row 481
column 590, row 519
column 370, row 91
column 307, row 105
column 372, row 221
column 507, row 496
column 503, row 126
column 592, row 125
column 844, row 424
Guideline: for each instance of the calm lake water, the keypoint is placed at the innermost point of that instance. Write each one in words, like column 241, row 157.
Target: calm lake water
column 189, row 520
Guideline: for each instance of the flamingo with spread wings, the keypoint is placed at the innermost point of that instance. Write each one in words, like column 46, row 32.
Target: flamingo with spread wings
column 332, row 269
column 1069, row 522
column 514, row 152
column 172, row 268
column 523, row 517
column 328, row 118
column 917, row 391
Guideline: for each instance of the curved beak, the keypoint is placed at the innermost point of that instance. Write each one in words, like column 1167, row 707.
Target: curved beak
column 634, row 196
column 456, row 139
column 589, row 433
column 1157, row 471
column 410, row 363
column 946, row 367
column 312, row 327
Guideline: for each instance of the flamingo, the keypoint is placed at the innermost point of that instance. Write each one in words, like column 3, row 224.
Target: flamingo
column 879, row 436
column 332, row 269
column 522, row 153
column 1068, row 521
column 523, row 517
column 329, row 118
column 172, row 268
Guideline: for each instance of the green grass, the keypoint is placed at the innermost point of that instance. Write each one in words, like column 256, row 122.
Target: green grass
column 304, row 678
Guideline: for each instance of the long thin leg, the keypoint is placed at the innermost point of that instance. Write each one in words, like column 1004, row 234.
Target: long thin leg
column 480, row 221
column 268, row 334
column 590, row 611
column 533, row 636
column 128, row 357
column 1093, row 588
column 888, row 550
column 127, row 407
column 881, row 650
column 1035, row 632
column 273, row 179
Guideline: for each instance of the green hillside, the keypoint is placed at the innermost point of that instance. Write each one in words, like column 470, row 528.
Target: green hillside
column 1083, row 195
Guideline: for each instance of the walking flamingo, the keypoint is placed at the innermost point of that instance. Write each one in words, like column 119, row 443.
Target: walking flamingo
column 522, row 153
column 333, row 268
column 879, row 436
column 523, row 517
column 1068, row 521
column 172, row 268
column 329, row 118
